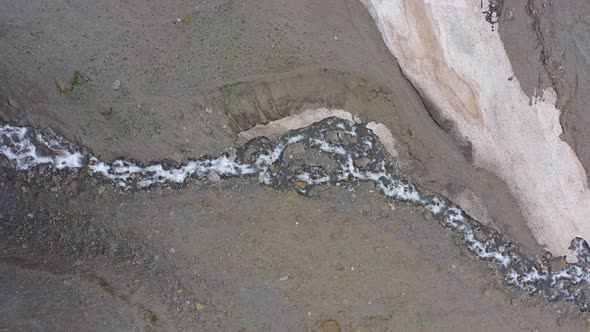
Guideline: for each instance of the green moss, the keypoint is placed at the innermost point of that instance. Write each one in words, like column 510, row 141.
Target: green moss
column 105, row 285
column 109, row 113
column 234, row 89
column 80, row 87
column 149, row 315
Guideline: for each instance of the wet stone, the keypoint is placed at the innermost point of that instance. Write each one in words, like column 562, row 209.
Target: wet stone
column 333, row 137
column 296, row 149
column 361, row 162
column 300, row 184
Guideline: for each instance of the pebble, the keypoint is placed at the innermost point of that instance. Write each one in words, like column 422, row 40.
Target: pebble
column 333, row 137
column 116, row 85
column 172, row 250
column 101, row 190
column 487, row 292
column 199, row 307
column 213, row 177
column 297, row 149
column 300, row 184
column 74, row 188
column 330, row 326
column 105, row 110
column 339, row 267
column 428, row 216
column 61, row 85
column 284, row 278
column 361, row 162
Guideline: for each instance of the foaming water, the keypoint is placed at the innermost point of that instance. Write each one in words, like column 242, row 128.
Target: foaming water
column 344, row 142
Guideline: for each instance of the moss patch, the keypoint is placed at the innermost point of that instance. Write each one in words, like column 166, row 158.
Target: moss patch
column 80, row 87
column 234, row 89
column 149, row 316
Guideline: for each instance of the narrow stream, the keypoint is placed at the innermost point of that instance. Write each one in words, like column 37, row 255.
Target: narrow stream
column 355, row 154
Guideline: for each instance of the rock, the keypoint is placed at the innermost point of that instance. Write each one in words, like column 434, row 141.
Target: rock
column 333, row 137
column 297, row 149
column 199, row 307
column 361, row 162
column 74, row 188
column 101, row 190
column 61, row 85
column 213, row 177
column 172, row 250
column 116, row 85
column 284, row 278
column 330, row 326
column 561, row 264
column 13, row 102
column 186, row 19
column 487, row 292
column 339, row 267
column 428, row 216
column 300, row 184
column 105, row 110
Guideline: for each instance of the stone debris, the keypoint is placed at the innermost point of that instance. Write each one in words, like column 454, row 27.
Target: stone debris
column 116, row 85
column 213, row 177
column 62, row 86
column 300, row 184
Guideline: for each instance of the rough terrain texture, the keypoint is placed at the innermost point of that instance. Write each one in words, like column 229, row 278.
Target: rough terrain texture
column 232, row 255
column 547, row 42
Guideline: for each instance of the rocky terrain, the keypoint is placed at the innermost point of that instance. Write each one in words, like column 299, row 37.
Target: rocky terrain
column 147, row 82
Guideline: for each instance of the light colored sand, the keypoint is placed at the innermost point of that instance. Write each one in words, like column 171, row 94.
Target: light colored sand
column 464, row 71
